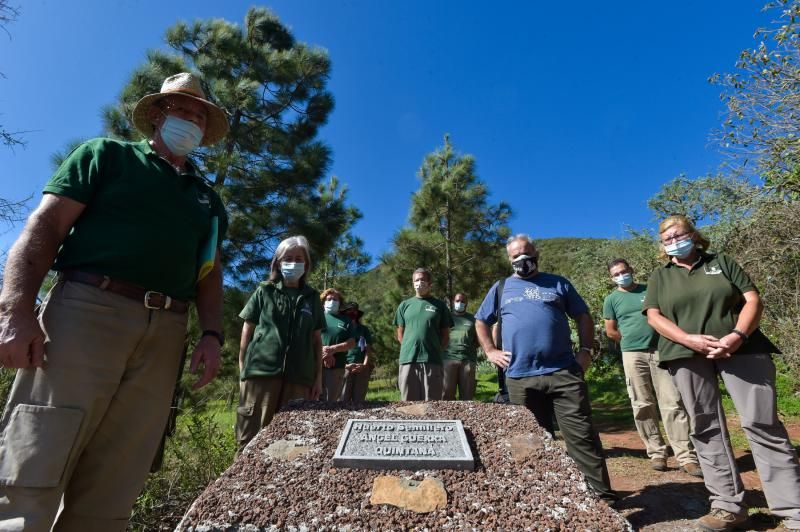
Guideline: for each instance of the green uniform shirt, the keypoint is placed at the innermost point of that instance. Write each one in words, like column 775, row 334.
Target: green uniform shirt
column 463, row 339
column 422, row 320
column 357, row 354
column 704, row 300
column 143, row 223
column 282, row 343
column 338, row 329
column 625, row 307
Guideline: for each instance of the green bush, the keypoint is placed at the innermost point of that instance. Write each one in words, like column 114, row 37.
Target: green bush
column 198, row 452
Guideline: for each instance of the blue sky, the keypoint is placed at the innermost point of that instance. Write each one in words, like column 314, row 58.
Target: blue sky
column 576, row 112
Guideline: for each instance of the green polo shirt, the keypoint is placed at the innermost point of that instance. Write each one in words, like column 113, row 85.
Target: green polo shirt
column 463, row 340
column 143, row 223
column 282, row 343
column 625, row 307
column 356, row 355
column 422, row 320
column 706, row 299
column 338, row 329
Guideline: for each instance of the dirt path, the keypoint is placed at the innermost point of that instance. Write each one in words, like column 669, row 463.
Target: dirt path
column 671, row 501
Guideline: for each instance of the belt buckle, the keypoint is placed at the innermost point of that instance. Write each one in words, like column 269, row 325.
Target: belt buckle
column 152, row 293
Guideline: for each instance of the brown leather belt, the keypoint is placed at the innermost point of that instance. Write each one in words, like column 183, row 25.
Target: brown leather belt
column 151, row 299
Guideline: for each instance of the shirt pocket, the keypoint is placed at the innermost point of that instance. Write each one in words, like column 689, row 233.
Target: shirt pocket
column 36, row 444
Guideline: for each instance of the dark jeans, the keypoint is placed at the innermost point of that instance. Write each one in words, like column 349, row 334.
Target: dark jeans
column 564, row 392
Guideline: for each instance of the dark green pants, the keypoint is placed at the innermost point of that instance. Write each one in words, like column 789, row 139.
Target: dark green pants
column 565, row 394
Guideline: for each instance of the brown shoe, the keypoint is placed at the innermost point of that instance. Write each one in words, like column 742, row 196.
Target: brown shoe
column 719, row 520
column 692, row 469
column 658, row 464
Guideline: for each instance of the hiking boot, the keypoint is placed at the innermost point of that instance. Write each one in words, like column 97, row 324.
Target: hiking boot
column 719, row 520
column 658, row 464
column 692, row 469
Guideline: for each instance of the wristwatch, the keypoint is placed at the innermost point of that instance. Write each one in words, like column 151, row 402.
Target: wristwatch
column 587, row 349
column 216, row 334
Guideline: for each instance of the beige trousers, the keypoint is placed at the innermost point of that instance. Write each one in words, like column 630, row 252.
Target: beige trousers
column 420, row 382
column 651, row 391
column 259, row 399
column 88, row 423
column 356, row 385
column 459, row 374
column 332, row 381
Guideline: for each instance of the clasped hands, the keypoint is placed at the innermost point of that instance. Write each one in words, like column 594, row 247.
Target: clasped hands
column 711, row 346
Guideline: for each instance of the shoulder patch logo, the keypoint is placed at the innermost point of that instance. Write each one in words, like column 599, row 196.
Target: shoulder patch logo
column 430, row 308
column 203, row 199
column 712, row 269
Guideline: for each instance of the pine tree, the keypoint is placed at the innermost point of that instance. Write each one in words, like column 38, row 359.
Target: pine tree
column 267, row 170
column 454, row 231
column 346, row 258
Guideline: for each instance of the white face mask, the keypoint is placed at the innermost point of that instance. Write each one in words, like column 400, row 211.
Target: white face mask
column 623, row 279
column 331, row 305
column 292, row 270
column 680, row 249
column 459, row 306
column 421, row 286
column 180, row 136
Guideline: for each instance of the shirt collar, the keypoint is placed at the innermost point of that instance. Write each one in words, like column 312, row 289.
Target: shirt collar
column 190, row 169
column 702, row 258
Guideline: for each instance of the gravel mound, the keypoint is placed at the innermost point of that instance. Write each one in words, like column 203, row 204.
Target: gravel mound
column 539, row 489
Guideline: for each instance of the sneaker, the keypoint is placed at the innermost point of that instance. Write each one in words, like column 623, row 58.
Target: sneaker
column 658, row 464
column 692, row 469
column 719, row 520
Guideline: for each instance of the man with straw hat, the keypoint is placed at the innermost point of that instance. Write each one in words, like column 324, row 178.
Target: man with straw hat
column 133, row 233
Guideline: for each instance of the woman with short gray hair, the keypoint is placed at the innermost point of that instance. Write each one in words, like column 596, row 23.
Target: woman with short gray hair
column 280, row 352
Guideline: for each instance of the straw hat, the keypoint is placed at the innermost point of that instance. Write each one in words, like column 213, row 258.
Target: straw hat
column 185, row 84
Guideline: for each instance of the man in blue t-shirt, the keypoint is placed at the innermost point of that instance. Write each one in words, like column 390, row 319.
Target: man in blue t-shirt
column 542, row 369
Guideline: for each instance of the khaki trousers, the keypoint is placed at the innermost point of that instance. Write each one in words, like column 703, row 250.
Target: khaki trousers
column 332, row 379
column 750, row 381
column 460, row 374
column 259, row 399
column 420, row 382
column 88, row 423
column 651, row 391
column 356, row 385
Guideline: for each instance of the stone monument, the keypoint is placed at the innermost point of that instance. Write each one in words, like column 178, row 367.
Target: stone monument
column 291, row 476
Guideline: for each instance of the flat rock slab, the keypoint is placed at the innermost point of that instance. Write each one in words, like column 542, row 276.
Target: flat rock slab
column 419, row 497
column 523, row 480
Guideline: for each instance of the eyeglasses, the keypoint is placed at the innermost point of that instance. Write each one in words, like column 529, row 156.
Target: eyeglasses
column 674, row 238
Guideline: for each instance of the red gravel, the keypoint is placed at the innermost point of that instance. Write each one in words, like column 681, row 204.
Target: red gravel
column 545, row 491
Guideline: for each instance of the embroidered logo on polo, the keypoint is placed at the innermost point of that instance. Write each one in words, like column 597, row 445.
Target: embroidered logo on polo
column 430, row 308
column 306, row 309
column 203, row 198
column 712, row 269
column 341, row 325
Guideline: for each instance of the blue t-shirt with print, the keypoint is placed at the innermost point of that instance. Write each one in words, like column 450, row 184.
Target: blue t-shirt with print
column 535, row 324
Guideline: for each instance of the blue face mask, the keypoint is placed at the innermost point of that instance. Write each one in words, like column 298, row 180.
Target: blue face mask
column 680, row 249
column 623, row 279
column 180, row 136
column 291, row 271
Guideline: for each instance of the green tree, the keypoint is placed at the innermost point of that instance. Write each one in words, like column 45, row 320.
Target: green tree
column 762, row 127
column 346, row 258
column 719, row 202
column 454, row 231
column 267, row 170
